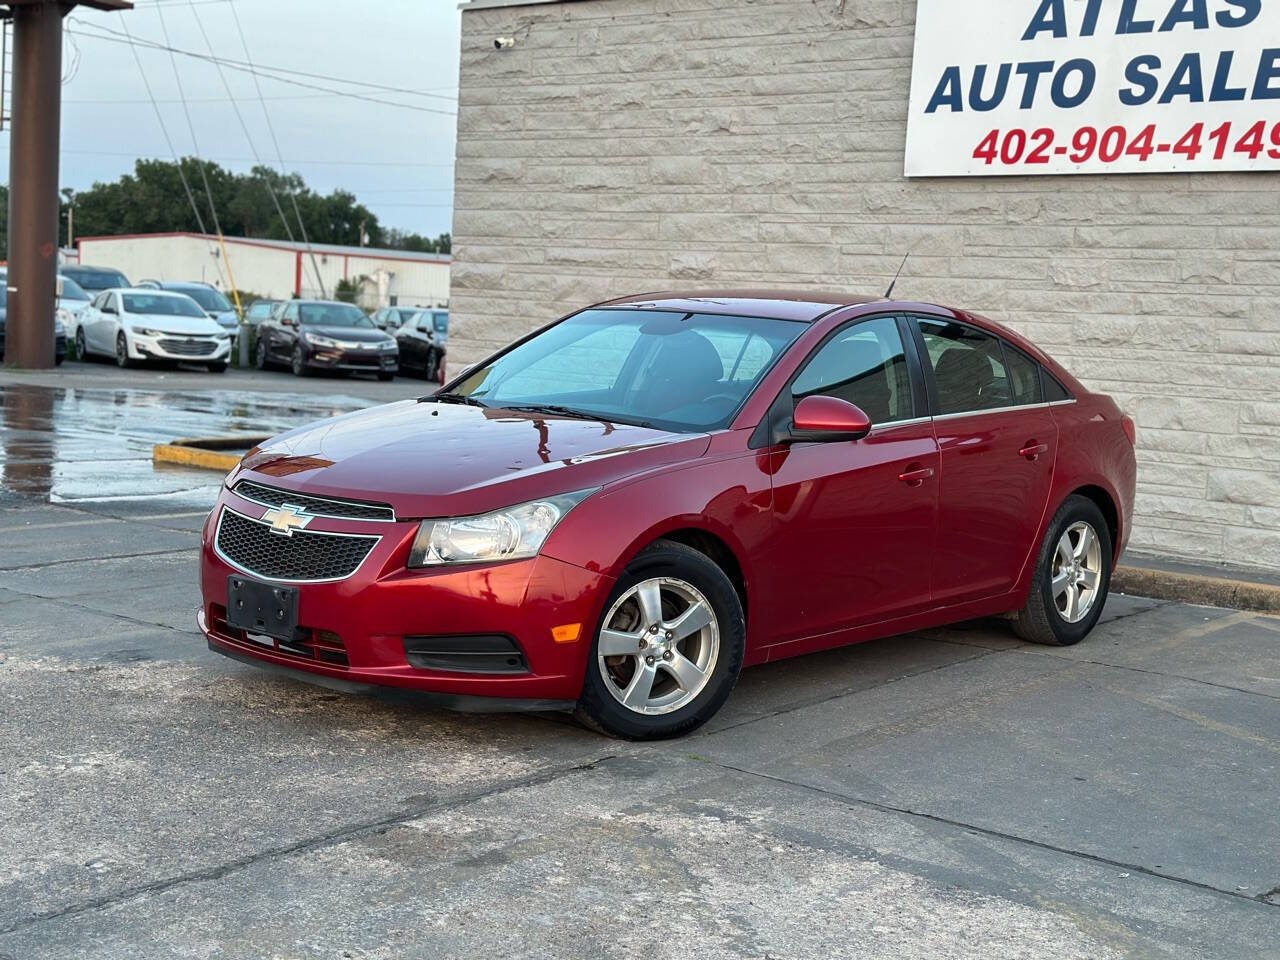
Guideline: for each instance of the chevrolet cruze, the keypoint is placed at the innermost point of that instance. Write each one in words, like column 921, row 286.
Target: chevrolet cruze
column 619, row 512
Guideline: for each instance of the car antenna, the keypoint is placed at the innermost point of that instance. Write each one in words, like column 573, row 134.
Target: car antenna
column 888, row 293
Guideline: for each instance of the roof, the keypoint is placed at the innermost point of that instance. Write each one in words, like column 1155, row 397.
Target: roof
column 805, row 305
column 294, row 246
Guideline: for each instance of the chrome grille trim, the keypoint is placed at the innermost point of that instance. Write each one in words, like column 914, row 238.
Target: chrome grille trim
column 316, row 506
column 217, row 548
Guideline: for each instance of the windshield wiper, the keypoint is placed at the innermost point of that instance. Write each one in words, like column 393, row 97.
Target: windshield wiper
column 452, row 398
column 576, row 414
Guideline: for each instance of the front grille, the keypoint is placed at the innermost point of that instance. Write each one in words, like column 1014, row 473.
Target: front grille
column 317, row 506
column 360, row 360
column 254, row 548
column 188, row 348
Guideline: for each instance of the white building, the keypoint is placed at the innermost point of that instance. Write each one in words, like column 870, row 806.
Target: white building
column 609, row 147
column 275, row 268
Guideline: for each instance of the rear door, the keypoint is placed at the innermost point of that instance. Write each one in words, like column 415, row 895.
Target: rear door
column 998, row 444
column 854, row 520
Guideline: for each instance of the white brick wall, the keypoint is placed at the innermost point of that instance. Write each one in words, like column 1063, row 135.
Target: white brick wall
column 631, row 145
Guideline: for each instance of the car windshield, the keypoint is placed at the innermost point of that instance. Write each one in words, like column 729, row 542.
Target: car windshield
column 679, row 371
column 441, row 321
column 261, row 308
column 72, row 290
column 94, row 279
column 208, row 298
column 333, row 315
column 404, row 316
column 158, row 305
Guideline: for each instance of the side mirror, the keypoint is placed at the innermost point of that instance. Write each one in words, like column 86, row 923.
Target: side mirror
column 286, row 321
column 820, row 419
column 108, row 308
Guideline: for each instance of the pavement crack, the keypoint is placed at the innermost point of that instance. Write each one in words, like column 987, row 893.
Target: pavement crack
column 846, row 692
column 997, row 834
column 110, row 556
column 327, row 839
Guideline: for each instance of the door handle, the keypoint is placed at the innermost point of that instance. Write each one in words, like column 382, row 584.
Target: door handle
column 1033, row 450
column 915, row 475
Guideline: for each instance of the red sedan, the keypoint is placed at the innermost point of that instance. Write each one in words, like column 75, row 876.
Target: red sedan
column 619, row 512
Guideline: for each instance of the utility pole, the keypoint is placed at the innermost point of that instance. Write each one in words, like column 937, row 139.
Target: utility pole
column 33, row 175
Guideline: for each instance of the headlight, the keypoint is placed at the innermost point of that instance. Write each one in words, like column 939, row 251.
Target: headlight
column 148, row 332
column 318, row 341
column 514, row 533
column 389, row 344
column 61, row 321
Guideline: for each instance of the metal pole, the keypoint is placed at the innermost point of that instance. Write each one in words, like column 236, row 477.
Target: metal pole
column 33, row 184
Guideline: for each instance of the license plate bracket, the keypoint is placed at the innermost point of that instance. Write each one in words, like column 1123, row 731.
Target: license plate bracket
column 259, row 607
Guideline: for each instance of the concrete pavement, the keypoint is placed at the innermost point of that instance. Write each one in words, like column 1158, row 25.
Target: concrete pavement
column 954, row 793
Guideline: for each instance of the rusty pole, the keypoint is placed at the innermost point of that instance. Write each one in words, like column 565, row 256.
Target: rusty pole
column 33, row 184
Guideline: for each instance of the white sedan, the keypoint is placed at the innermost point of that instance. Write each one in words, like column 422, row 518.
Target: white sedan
column 138, row 325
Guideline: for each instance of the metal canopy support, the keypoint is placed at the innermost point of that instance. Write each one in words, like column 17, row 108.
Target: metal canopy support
column 33, row 177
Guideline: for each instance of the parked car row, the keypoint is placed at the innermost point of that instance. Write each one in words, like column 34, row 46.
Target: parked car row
column 59, row 325
column 153, row 320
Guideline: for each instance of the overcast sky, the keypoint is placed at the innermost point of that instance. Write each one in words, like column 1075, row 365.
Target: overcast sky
column 397, row 161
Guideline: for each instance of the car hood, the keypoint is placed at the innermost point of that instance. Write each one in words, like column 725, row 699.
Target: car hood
column 226, row 318
column 73, row 307
column 168, row 323
column 350, row 334
column 433, row 459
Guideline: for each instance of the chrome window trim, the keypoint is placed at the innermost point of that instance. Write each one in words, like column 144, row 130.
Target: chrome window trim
column 310, row 496
column 376, row 538
column 890, row 424
column 1019, row 406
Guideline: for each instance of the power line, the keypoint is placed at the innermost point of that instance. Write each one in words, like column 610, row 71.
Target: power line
column 271, row 73
column 243, row 126
column 191, row 127
column 266, row 115
column 138, row 154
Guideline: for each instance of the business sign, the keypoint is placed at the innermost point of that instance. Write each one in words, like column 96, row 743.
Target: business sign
column 1014, row 87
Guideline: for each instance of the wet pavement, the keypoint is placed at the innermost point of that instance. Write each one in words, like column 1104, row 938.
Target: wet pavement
column 951, row 793
column 78, row 438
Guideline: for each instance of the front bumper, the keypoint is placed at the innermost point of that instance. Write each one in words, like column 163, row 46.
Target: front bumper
column 369, row 361
column 352, row 632
column 178, row 348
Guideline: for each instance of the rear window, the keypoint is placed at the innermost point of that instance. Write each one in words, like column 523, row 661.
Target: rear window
column 1024, row 376
column 1053, row 390
column 91, row 278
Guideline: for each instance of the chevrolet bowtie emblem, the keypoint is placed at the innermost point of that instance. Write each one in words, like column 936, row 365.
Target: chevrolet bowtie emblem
column 286, row 518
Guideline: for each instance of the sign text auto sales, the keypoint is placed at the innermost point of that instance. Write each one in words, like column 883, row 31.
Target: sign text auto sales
column 1094, row 86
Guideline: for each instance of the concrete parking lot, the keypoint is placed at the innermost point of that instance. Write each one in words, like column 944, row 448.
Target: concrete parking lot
column 953, row 793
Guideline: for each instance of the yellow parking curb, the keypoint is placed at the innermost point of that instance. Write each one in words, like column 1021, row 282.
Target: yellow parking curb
column 208, row 453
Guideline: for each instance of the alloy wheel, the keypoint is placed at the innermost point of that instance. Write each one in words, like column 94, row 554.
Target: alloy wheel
column 81, row 350
column 299, row 366
column 122, row 350
column 260, row 356
column 1077, row 572
column 659, row 645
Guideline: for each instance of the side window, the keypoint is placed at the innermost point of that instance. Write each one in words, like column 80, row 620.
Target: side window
column 1024, row 376
column 865, row 365
column 968, row 367
column 291, row 312
column 1053, row 390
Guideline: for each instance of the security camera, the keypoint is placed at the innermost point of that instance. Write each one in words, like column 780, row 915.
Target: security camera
column 503, row 43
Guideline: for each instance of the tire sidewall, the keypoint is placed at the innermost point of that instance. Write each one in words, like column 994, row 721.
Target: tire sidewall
column 684, row 563
column 122, row 358
column 1073, row 510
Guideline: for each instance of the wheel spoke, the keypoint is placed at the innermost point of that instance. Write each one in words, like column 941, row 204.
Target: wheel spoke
column 691, row 621
column 649, row 596
column 1073, row 603
column 687, row 673
column 1060, row 583
column 1084, row 543
column 1089, row 579
column 619, row 643
column 637, row 693
column 1065, row 550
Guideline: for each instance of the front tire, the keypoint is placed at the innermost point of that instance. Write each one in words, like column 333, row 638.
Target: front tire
column 123, row 360
column 82, row 351
column 1073, row 575
column 668, row 649
column 260, row 355
column 218, row 367
column 299, row 363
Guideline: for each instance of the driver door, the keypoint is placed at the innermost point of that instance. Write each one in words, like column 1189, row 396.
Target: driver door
column 854, row 521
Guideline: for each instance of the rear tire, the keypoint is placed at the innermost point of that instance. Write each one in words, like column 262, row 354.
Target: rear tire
column 677, row 681
column 432, row 364
column 1072, row 577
